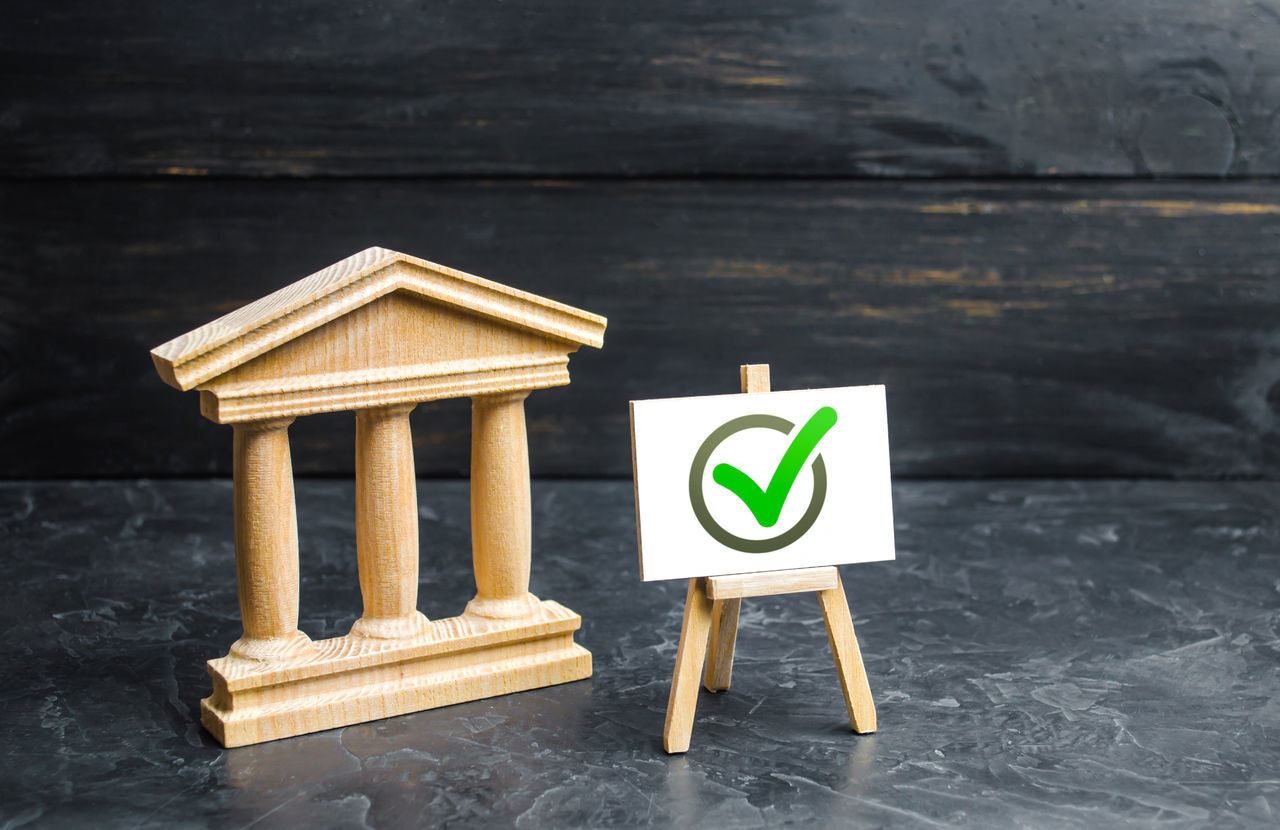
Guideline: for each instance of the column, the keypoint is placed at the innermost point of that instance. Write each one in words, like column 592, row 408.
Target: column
column 266, row 542
column 387, row 524
column 500, row 514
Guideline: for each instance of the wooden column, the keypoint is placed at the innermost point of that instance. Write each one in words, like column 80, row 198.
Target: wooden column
column 266, row 542
column 500, row 512
column 387, row 524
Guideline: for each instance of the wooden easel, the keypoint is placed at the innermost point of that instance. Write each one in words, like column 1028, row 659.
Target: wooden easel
column 712, row 605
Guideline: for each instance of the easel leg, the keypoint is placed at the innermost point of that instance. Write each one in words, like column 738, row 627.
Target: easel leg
column 844, row 647
column 724, row 633
column 689, row 656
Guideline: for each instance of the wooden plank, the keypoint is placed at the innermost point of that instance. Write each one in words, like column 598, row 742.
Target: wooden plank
column 738, row 586
column 720, row 644
column 752, row 87
column 683, row 700
column 754, row 377
column 1083, row 328
column 844, row 647
column 355, row 679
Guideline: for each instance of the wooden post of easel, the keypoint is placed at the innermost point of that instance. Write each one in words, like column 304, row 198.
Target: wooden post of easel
column 711, row 607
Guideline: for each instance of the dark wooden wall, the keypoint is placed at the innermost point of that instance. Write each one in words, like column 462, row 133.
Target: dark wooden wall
column 1051, row 228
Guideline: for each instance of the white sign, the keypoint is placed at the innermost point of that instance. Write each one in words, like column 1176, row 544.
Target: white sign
column 730, row 484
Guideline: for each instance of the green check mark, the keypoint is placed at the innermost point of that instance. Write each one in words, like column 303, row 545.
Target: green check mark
column 766, row 505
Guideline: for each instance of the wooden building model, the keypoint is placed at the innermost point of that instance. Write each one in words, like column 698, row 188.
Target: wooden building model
column 378, row 333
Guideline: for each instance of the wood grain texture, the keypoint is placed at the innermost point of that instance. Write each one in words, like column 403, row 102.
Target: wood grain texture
column 387, row 524
column 354, row 679
column 284, row 318
column 682, row 702
column 266, row 534
column 739, row 586
column 754, row 377
column 374, row 313
column 844, row 647
column 501, row 524
column 850, row 87
column 721, row 643
column 375, row 329
column 1087, row 329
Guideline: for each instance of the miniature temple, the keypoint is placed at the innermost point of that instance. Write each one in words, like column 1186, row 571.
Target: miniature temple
column 379, row 333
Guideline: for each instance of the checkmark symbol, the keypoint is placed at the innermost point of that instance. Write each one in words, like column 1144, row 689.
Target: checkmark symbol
column 766, row 505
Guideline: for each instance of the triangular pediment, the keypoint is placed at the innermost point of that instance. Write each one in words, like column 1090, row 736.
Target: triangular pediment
column 450, row 301
column 400, row 334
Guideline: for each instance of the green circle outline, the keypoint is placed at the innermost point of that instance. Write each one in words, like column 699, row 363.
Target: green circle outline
column 699, row 504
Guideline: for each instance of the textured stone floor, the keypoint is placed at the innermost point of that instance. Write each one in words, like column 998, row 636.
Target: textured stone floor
column 1043, row 654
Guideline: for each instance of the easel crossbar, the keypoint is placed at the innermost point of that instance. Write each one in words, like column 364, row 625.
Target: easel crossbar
column 795, row 581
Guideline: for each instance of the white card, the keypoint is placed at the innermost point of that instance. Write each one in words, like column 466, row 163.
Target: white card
column 729, row 484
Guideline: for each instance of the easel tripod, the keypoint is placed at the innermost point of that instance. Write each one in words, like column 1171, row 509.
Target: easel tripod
column 710, row 630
